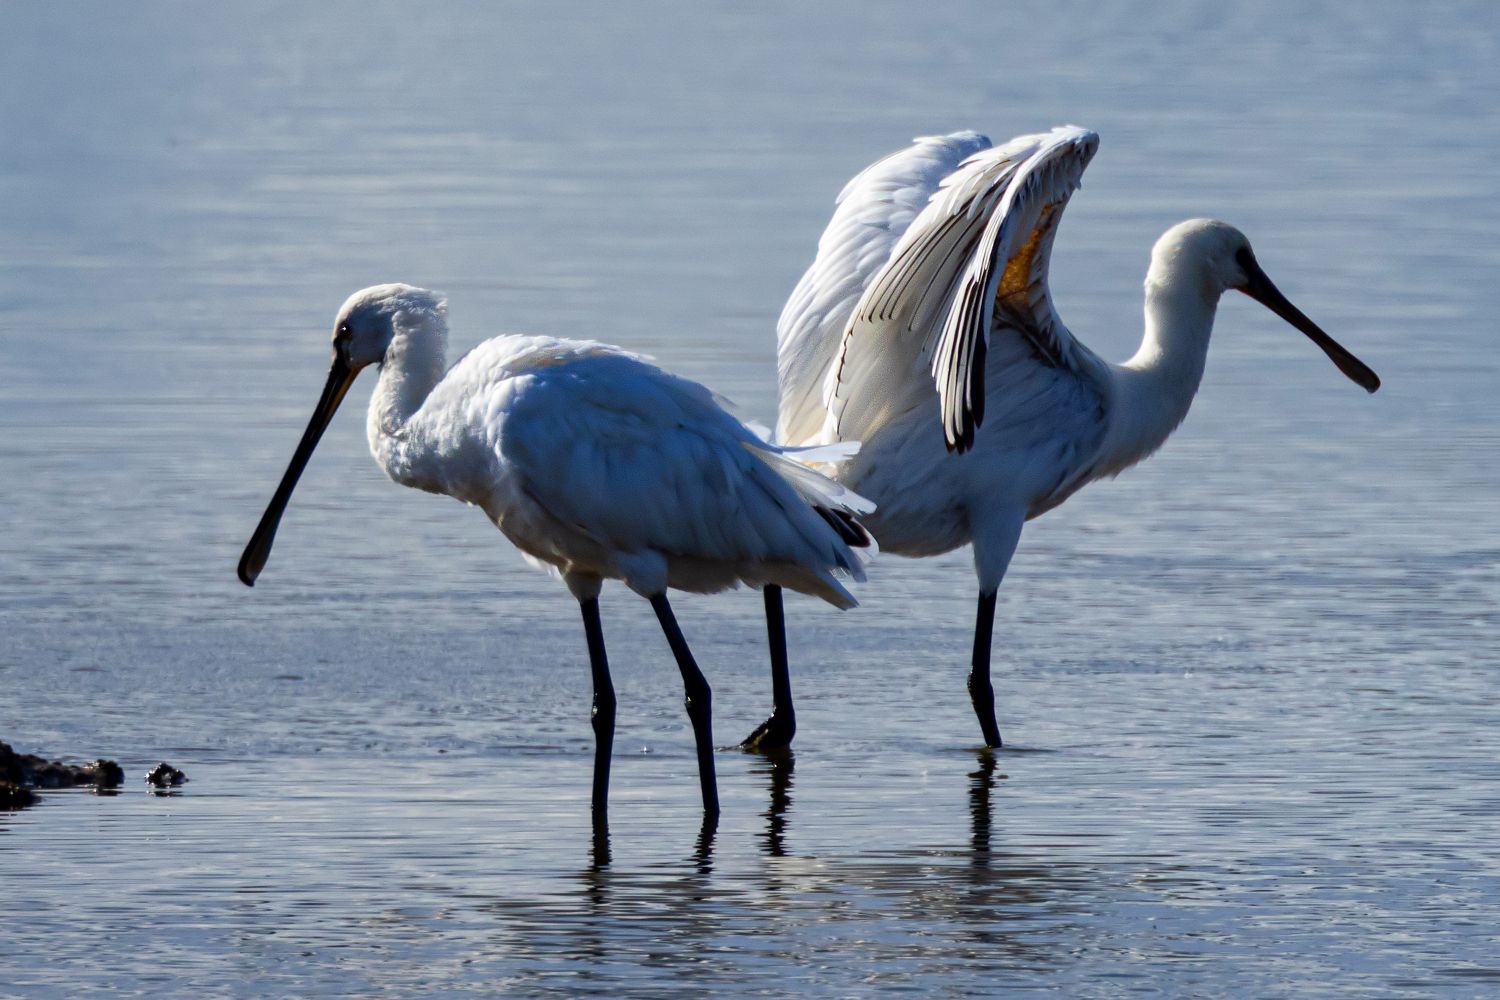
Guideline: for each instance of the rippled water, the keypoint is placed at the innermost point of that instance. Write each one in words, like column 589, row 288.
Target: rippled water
column 1248, row 689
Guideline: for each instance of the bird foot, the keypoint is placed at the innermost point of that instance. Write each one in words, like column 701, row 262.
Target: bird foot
column 772, row 735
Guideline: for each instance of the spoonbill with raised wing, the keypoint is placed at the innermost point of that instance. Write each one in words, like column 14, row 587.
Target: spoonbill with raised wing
column 925, row 330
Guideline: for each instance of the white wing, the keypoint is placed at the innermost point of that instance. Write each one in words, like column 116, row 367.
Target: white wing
column 874, row 210
column 971, row 267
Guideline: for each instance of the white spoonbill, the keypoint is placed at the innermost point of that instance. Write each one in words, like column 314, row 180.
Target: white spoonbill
column 925, row 329
column 592, row 461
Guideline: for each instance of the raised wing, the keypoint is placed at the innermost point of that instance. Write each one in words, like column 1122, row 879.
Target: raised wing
column 873, row 211
column 971, row 266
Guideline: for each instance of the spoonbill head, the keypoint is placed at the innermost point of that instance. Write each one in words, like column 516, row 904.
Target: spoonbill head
column 597, row 465
column 1218, row 257
column 370, row 319
column 362, row 335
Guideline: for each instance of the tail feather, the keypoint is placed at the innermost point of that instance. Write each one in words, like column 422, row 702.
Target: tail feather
column 829, row 454
column 811, row 484
column 835, row 504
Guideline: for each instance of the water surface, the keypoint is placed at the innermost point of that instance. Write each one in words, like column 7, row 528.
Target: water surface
column 1247, row 689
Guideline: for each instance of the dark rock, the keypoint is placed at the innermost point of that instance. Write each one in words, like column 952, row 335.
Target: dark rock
column 10, row 764
column 27, row 769
column 13, row 796
column 107, row 774
column 164, row 775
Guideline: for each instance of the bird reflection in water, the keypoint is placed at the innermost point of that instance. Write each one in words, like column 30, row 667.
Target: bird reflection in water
column 703, row 847
column 981, row 785
column 599, row 856
column 595, row 875
column 779, row 766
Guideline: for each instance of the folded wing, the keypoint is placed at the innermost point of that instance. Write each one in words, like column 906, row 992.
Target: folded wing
column 632, row 457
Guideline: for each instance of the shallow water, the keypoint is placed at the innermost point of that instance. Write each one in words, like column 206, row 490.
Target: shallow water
column 1247, row 689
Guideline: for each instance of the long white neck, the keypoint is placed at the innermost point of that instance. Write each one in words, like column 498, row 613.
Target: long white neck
column 414, row 364
column 1153, row 390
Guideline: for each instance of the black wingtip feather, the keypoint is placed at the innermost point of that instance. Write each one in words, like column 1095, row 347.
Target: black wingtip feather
column 976, row 386
column 850, row 531
column 960, row 439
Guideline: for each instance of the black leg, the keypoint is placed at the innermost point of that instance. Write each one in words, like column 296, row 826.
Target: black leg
column 980, row 691
column 603, row 713
column 776, row 732
column 699, row 699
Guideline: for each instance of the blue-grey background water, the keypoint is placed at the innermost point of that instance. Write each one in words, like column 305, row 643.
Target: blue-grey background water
column 1248, row 688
